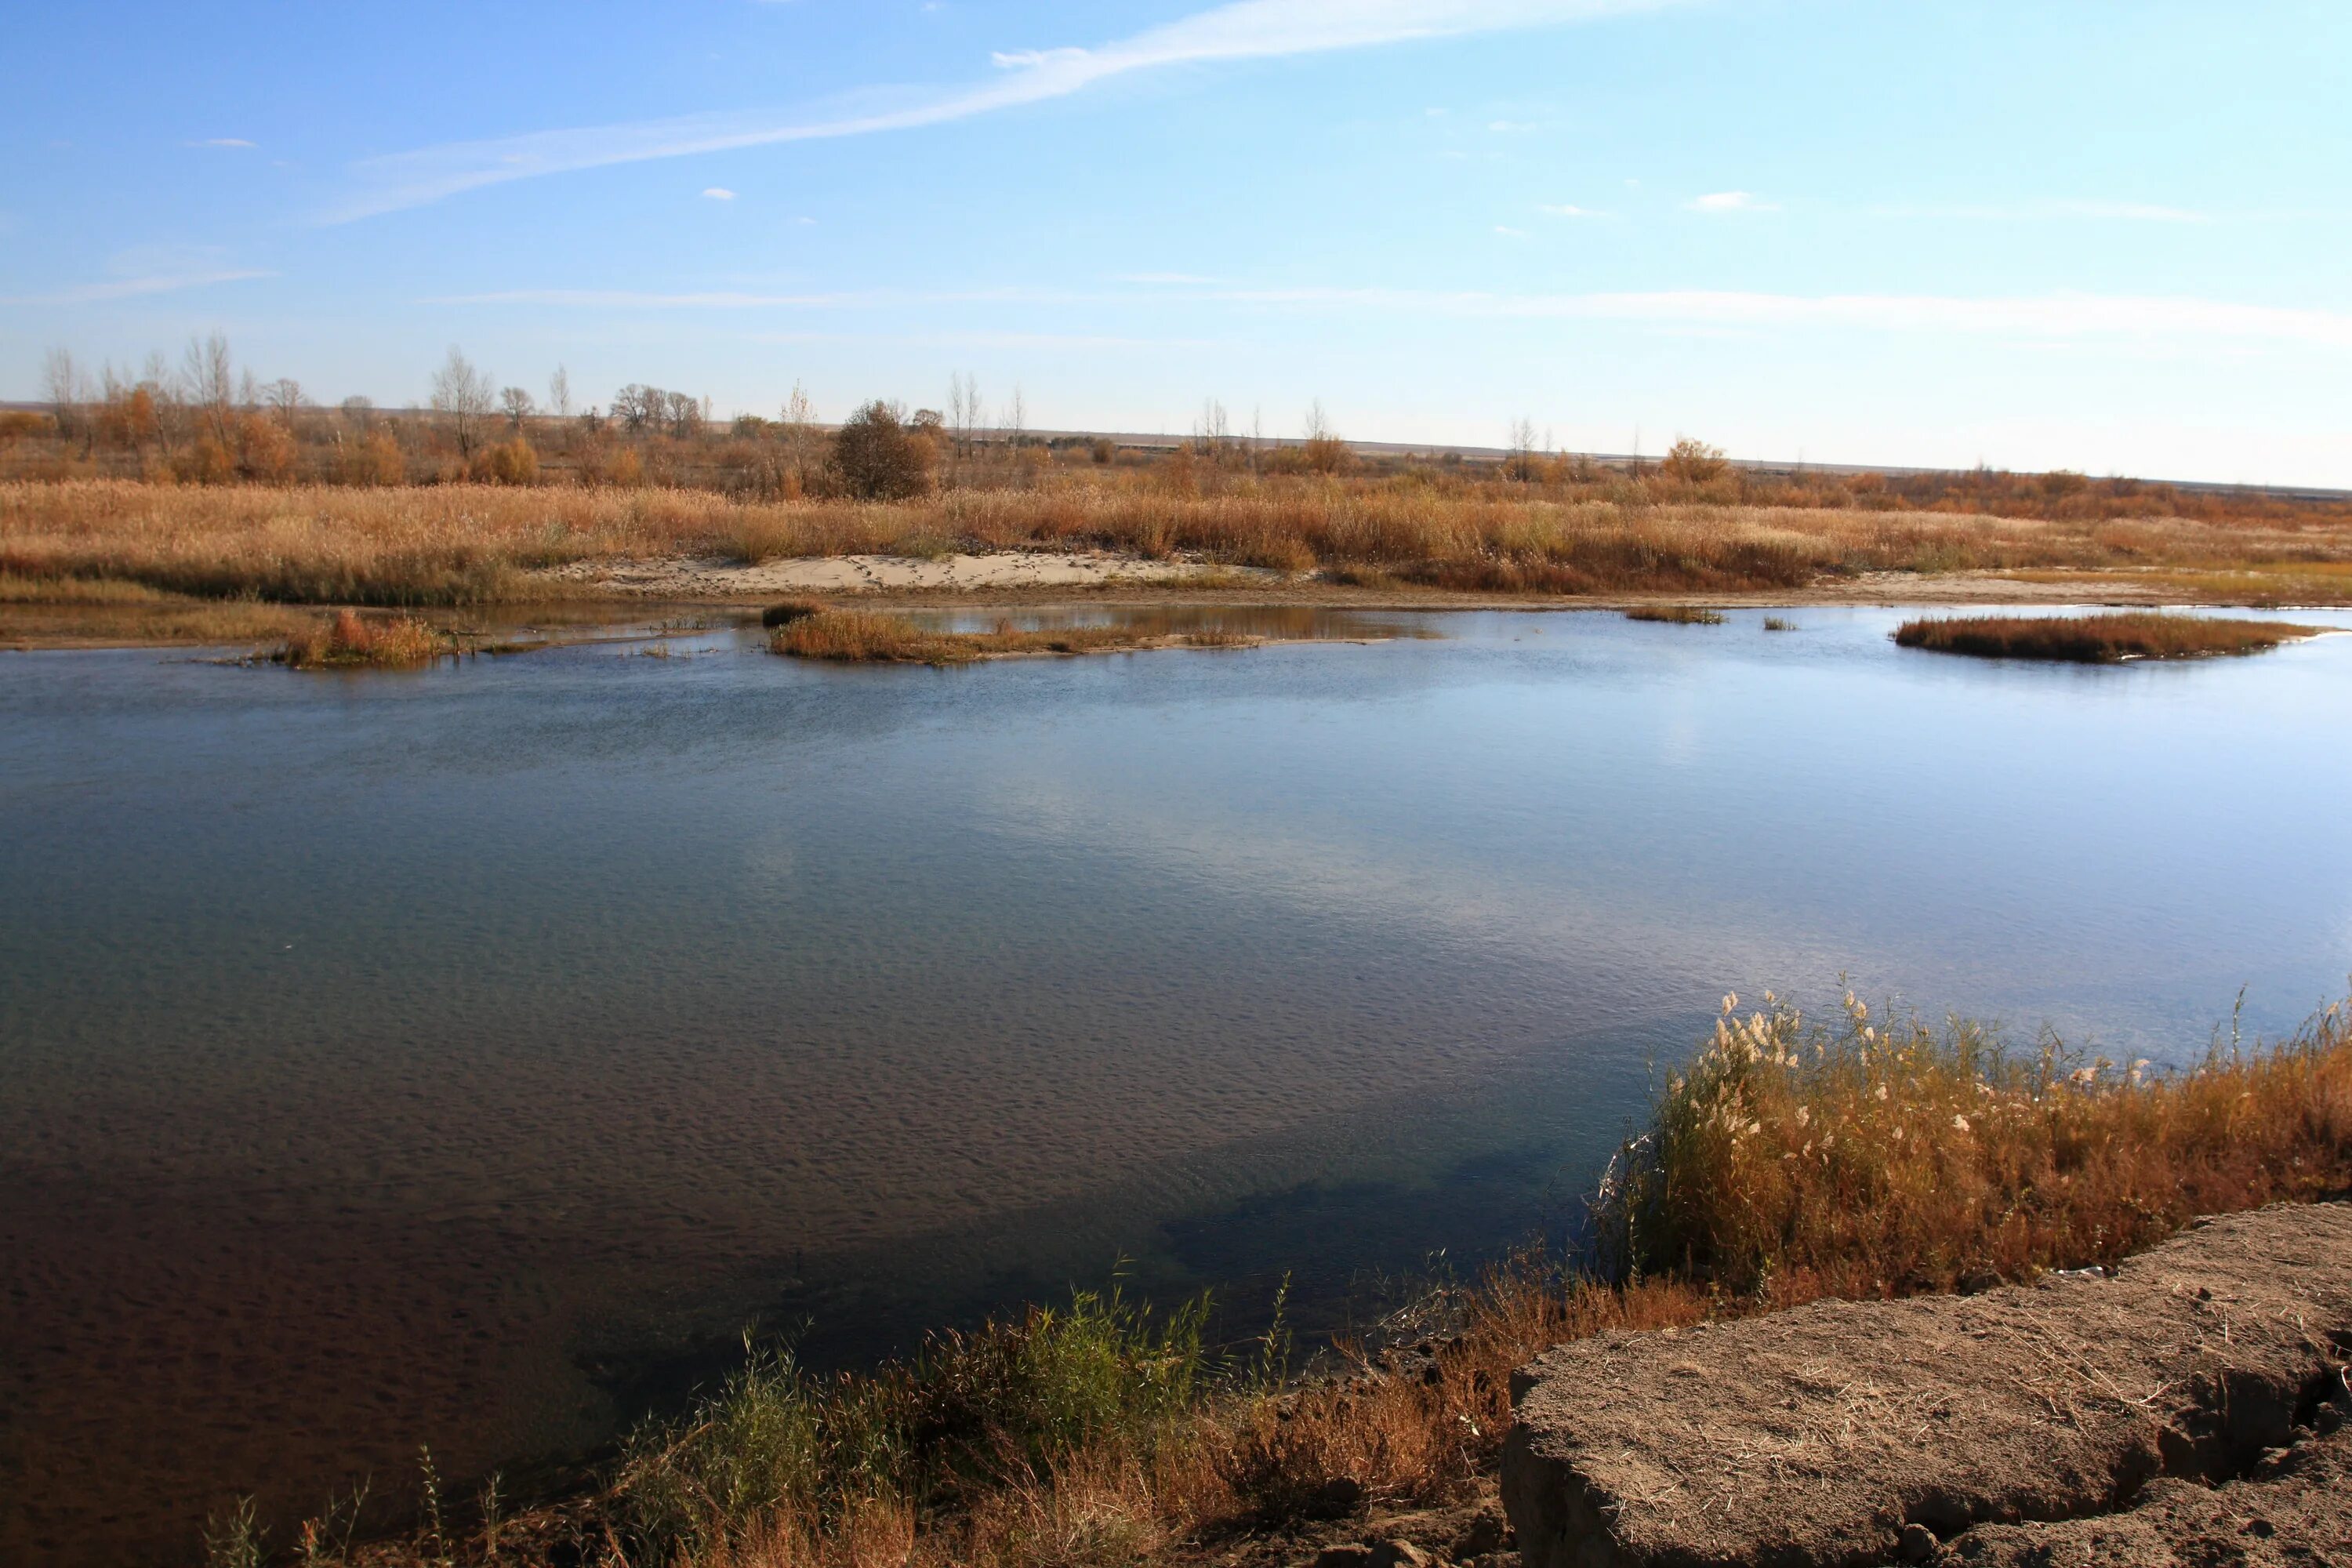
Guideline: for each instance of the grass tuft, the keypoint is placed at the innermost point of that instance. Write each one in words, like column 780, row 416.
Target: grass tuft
column 2096, row 639
column 1868, row 1158
column 1676, row 615
column 345, row 640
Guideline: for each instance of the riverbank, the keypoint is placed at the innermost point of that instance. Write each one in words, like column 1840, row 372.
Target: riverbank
column 1789, row 1162
column 101, row 558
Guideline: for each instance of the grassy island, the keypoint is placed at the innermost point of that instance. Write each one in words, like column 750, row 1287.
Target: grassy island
column 874, row 637
column 2098, row 639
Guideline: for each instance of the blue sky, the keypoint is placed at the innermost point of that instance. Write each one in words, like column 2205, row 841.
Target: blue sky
column 2105, row 236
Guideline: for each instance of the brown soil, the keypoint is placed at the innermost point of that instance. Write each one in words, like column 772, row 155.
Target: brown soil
column 1846, row 1433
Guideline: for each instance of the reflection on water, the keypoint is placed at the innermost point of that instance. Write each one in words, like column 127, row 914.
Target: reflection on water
column 455, row 1057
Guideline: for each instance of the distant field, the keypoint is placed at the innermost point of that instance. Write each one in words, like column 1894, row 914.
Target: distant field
column 466, row 543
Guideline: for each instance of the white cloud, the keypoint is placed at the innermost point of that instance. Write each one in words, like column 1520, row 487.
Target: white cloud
column 131, row 288
column 222, row 141
column 1569, row 209
column 1729, row 202
column 1171, row 277
column 720, row 194
column 1504, row 228
column 1245, row 29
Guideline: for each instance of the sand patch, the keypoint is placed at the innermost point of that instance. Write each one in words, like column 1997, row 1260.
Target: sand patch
column 689, row 577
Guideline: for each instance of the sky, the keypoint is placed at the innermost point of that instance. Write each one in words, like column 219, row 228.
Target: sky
column 2090, row 233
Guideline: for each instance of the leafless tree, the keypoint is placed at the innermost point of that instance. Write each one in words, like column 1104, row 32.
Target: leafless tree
column 1211, row 434
column 359, row 413
column 1519, row 451
column 635, row 405
column 462, row 396
column 965, row 414
column 1257, row 434
column 559, row 394
column 516, row 405
column 284, row 398
column 1016, row 418
column 684, row 412
column 208, row 382
column 69, row 388
column 800, row 435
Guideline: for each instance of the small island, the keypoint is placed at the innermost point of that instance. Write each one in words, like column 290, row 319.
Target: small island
column 2098, row 639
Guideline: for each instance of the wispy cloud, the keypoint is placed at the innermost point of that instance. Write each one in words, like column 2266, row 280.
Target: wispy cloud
column 720, row 194
column 2051, row 316
column 1569, row 209
column 222, row 141
column 131, row 287
column 2046, row 317
column 1509, row 232
column 1730, row 202
column 1246, row 29
column 2029, row 212
column 1163, row 277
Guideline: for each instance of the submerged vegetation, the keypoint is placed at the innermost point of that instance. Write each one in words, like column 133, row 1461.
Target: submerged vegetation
column 874, row 637
column 1788, row 1161
column 2096, row 639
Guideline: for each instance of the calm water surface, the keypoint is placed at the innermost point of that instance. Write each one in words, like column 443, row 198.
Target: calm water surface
column 455, row 1058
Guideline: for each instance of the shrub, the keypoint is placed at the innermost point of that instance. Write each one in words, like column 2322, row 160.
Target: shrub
column 374, row 460
column 1674, row 614
column 1693, row 462
column 16, row 424
column 264, row 450
column 510, row 462
column 345, row 640
column 205, row 461
column 879, row 459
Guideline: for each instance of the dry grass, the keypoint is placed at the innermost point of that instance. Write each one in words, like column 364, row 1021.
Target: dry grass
column 347, row 640
column 463, row 543
column 1793, row 1160
column 1676, row 615
column 1788, row 1162
column 2096, row 639
column 873, row 636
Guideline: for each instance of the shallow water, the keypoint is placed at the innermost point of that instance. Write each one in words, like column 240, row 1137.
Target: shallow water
column 456, row 1058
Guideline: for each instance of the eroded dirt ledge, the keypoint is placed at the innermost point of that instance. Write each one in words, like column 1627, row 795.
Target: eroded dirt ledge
column 1955, row 1428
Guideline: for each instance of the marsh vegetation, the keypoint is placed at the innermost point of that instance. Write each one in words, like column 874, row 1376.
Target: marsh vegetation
column 874, row 636
column 2097, row 639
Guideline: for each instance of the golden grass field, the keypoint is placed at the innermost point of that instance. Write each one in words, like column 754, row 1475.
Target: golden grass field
column 83, row 541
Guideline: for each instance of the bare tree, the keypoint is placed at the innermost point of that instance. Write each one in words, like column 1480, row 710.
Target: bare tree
column 359, row 413
column 58, row 375
column 1016, row 418
column 206, row 376
column 559, row 394
column 965, row 413
column 518, row 406
column 1325, row 453
column 684, row 412
column 1519, row 451
column 1212, row 435
column 635, row 405
column 462, row 394
column 800, row 435
column 1257, row 434
column 284, row 398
